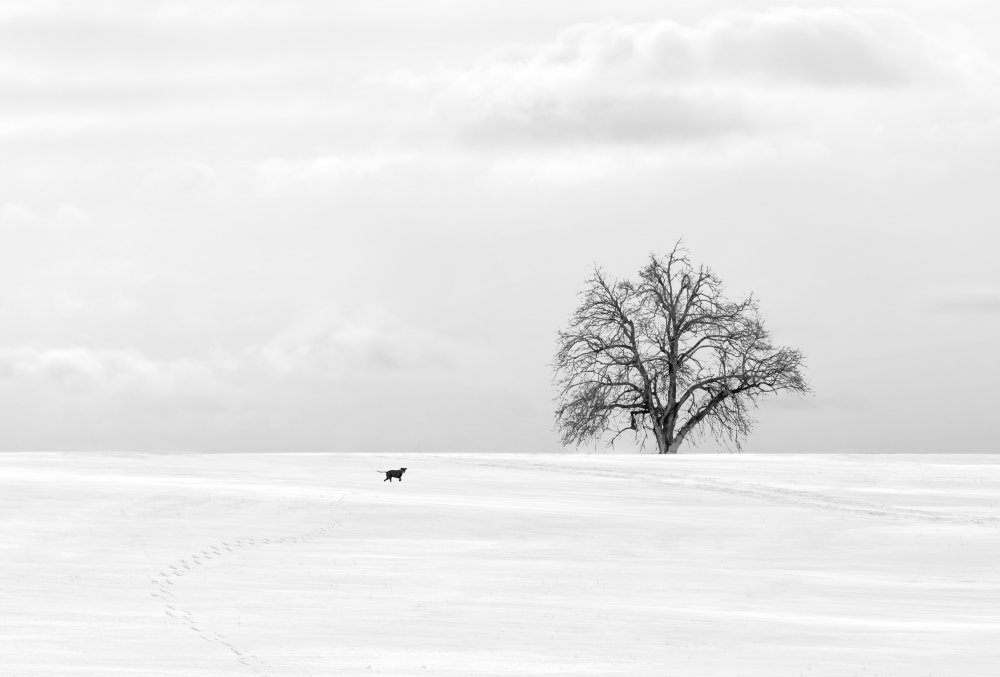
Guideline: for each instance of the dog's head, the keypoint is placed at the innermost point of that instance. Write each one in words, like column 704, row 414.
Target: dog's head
column 402, row 470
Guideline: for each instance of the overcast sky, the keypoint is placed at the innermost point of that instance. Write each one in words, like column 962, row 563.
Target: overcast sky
column 330, row 226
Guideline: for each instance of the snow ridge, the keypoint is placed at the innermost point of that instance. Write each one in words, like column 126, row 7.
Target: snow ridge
column 756, row 490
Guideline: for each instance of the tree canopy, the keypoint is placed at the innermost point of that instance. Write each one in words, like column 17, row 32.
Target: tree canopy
column 666, row 354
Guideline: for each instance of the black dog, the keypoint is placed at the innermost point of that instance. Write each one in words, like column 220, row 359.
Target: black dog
column 389, row 474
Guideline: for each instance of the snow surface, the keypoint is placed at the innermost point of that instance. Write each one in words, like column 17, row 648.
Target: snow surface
column 306, row 565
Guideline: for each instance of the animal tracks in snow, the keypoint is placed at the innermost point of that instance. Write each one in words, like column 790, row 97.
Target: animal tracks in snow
column 164, row 588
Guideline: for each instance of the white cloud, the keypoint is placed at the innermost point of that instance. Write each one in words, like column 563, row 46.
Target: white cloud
column 13, row 215
column 327, row 172
column 180, row 178
column 115, row 67
column 71, row 215
column 322, row 346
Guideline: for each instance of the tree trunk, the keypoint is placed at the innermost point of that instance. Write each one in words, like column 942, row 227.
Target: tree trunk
column 665, row 442
column 677, row 440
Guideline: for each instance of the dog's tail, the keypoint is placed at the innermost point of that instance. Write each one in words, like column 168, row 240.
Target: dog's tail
column 380, row 471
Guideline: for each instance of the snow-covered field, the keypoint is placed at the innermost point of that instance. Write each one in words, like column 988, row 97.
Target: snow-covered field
column 311, row 565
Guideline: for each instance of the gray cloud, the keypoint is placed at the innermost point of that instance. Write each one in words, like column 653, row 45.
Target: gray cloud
column 818, row 47
column 628, row 118
column 736, row 73
column 321, row 347
column 971, row 301
column 276, row 392
column 183, row 181
column 176, row 65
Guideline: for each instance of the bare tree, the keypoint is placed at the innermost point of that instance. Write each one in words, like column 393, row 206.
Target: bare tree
column 666, row 354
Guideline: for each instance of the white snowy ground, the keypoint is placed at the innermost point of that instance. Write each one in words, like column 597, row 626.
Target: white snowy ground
column 311, row 565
